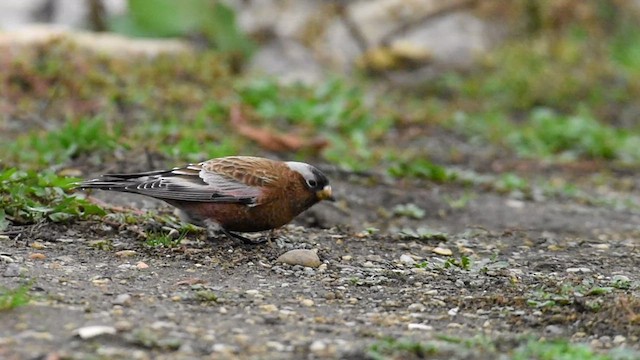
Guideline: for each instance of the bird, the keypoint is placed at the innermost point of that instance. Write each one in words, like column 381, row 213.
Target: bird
column 229, row 194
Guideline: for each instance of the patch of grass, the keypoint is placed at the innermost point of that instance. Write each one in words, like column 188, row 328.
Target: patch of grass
column 422, row 169
column 70, row 140
column 167, row 240
column 334, row 110
column 548, row 134
column 27, row 197
column 13, row 298
column 206, row 296
column 409, row 210
column 557, row 349
column 464, row 263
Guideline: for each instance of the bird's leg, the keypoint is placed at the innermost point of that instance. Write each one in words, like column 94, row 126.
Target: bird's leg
column 242, row 238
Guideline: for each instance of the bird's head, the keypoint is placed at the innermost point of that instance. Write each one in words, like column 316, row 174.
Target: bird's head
column 314, row 180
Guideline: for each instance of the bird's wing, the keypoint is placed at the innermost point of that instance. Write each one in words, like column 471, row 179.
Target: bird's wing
column 240, row 180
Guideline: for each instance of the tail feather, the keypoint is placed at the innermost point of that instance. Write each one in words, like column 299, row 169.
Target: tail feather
column 119, row 182
column 107, row 184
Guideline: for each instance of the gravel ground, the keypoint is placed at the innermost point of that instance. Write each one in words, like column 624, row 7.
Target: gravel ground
column 482, row 280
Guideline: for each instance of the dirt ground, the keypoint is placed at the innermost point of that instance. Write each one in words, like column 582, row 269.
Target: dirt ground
column 546, row 269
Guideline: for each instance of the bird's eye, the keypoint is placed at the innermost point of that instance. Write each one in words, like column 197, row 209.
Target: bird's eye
column 312, row 183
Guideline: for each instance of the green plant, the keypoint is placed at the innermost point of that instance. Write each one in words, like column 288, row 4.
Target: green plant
column 334, row 110
column 70, row 140
column 409, row 210
column 13, row 298
column 399, row 348
column 167, row 240
column 557, row 349
column 214, row 19
column 28, row 197
column 421, row 168
column 463, row 263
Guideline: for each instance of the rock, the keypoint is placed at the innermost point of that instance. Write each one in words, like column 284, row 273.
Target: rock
column 37, row 256
column 37, row 245
column 317, row 346
column 578, row 270
column 89, row 332
column 307, row 302
column 423, row 327
column 303, row 257
column 619, row 339
column 142, row 265
column 407, row 259
column 553, row 330
column 442, row 251
column 122, row 299
column 12, row 270
column 125, row 253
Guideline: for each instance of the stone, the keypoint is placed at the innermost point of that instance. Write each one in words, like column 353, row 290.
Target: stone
column 12, row 270
column 89, row 332
column 122, row 299
column 442, row 251
column 302, row 257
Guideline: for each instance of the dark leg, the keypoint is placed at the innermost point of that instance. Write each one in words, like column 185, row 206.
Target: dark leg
column 242, row 238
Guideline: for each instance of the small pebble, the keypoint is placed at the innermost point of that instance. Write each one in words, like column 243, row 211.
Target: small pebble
column 302, row 257
column 619, row 339
column 423, row 327
column 407, row 259
column 142, row 265
column 579, row 270
column 442, row 251
column 125, row 253
column 318, row 347
column 122, row 299
column 307, row 302
column 37, row 245
column 553, row 330
column 12, row 270
column 89, row 332
column 37, row 256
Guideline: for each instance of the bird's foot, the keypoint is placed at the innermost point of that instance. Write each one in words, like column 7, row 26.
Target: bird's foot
column 244, row 239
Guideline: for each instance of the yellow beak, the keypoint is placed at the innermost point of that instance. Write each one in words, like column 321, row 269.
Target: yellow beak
column 325, row 194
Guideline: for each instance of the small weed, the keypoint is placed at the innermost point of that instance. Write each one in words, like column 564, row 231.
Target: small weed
column 59, row 145
column 547, row 133
column 206, row 296
column 559, row 349
column 104, row 245
column 422, row 169
column 461, row 202
column 510, row 182
column 409, row 210
column 398, row 348
column 13, row 298
column 621, row 282
column 165, row 240
column 422, row 265
column 28, row 197
column 463, row 263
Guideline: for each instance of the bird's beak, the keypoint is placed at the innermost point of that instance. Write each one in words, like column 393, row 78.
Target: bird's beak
column 325, row 194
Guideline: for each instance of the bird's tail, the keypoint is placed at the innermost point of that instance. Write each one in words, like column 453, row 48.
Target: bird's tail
column 118, row 182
